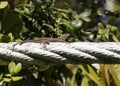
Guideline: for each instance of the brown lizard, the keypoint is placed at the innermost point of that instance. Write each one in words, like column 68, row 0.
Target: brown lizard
column 47, row 39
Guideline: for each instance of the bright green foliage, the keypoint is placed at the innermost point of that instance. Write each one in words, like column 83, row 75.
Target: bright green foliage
column 3, row 4
column 108, row 32
column 108, row 75
column 113, row 5
column 42, row 67
column 49, row 21
column 6, row 38
column 89, row 71
column 11, row 75
column 114, row 71
column 84, row 82
column 11, row 68
column 18, row 68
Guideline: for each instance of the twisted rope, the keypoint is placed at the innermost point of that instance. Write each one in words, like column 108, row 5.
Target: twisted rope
column 60, row 53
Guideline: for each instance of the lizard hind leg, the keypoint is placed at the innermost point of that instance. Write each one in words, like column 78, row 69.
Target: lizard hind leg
column 44, row 45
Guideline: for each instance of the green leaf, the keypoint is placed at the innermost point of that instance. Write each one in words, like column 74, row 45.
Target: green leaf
column 1, row 83
column 114, row 28
column 11, row 37
column 43, row 67
column 1, row 76
column 16, row 78
column 7, row 79
column 3, row 4
column 100, row 12
column 49, row 26
column 35, row 74
column 1, row 35
column 11, row 67
column 115, row 38
column 101, row 74
column 84, row 82
column 8, row 75
column 115, row 72
column 77, row 23
column 112, row 5
column 18, row 68
column 87, row 19
column 101, row 26
column 86, row 13
column 90, row 72
column 102, row 30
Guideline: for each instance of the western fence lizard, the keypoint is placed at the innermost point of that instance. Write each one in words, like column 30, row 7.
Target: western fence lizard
column 47, row 39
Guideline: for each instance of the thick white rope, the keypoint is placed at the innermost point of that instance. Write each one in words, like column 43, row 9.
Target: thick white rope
column 60, row 53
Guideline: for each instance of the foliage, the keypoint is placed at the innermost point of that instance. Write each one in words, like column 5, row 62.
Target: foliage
column 108, row 32
column 3, row 4
column 12, row 74
column 86, row 20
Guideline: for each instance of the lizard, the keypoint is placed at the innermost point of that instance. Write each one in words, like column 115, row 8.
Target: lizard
column 47, row 39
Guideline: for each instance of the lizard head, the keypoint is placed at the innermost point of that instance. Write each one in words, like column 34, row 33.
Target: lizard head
column 64, row 36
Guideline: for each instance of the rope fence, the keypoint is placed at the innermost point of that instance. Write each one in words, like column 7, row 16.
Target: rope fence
column 57, row 53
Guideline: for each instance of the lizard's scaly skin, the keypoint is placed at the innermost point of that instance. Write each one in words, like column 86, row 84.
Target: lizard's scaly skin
column 47, row 39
